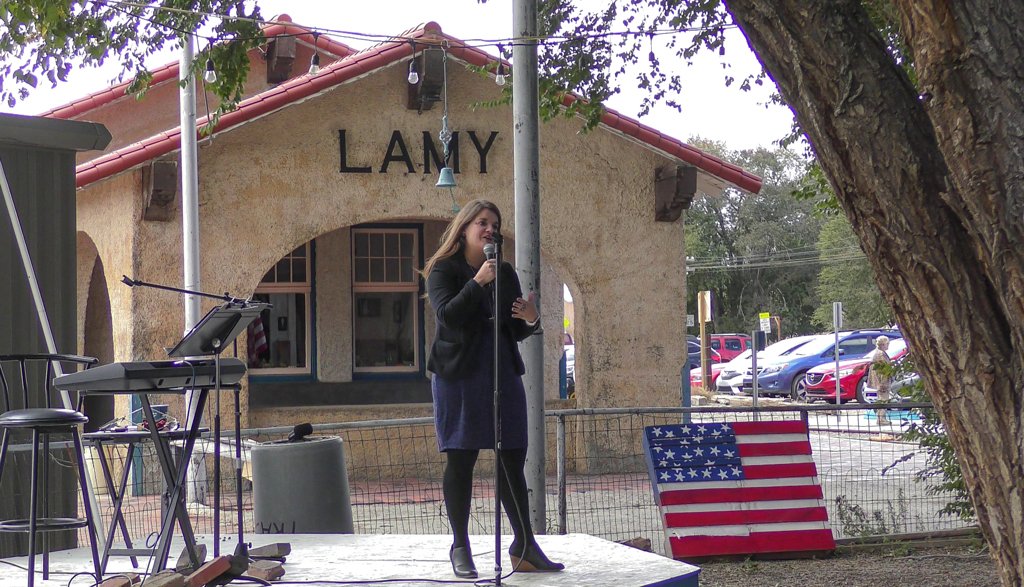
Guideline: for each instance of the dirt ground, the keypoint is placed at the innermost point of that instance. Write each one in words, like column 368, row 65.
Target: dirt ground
column 896, row 567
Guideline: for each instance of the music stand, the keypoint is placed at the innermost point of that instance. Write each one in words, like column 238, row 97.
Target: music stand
column 219, row 326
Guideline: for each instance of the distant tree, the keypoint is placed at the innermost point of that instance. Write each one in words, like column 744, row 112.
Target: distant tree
column 756, row 253
column 850, row 281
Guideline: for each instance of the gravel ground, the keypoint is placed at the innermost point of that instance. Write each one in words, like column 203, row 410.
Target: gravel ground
column 955, row 567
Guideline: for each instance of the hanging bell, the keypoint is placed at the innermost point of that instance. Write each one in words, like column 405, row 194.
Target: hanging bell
column 446, row 179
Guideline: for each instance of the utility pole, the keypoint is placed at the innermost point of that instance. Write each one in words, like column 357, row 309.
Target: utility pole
column 526, row 156
column 189, row 197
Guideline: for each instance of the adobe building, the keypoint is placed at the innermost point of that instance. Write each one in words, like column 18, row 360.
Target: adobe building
column 317, row 194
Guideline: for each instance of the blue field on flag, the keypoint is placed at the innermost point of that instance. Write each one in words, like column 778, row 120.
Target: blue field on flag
column 737, row 488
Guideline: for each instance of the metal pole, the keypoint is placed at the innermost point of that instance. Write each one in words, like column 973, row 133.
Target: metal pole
column 526, row 149
column 189, row 195
column 561, row 456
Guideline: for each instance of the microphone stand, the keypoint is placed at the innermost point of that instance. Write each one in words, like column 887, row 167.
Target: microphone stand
column 496, row 312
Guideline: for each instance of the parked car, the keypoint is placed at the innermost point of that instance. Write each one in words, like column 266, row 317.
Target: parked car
column 737, row 376
column 730, row 345
column 896, row 391
column 853, row 373
column 785, row 374
column 696, row 377
column 693, row 348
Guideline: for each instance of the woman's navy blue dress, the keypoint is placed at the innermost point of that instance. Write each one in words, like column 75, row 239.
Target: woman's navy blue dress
column 464, row 408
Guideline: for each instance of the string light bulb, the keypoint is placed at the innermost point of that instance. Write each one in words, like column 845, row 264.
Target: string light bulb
column 314, row 64
column 210, row 75
column 414, row 76
column 499, row 78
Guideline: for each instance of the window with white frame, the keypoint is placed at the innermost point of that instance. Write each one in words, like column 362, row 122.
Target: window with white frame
column 279, row 340
column 384, row 305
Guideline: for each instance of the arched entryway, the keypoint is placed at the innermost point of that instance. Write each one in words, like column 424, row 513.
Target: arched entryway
column 98, row 332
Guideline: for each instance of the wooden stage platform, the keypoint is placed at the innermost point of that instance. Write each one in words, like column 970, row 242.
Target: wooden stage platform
column 409, row 559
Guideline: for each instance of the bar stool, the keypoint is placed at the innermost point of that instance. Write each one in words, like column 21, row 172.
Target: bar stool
column 42, row 422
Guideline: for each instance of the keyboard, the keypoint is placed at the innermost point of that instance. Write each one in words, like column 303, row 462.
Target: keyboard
column 153, row 376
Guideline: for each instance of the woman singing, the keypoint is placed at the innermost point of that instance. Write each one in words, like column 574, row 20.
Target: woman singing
column 462, row 361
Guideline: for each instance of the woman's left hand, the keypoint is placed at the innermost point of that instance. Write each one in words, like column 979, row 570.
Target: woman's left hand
column 525, row 310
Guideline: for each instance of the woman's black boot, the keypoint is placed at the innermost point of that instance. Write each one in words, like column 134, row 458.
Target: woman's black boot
column 531, row 559
column 462, row 562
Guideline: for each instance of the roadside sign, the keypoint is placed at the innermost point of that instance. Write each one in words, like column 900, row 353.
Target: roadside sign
column 766, row 322
column 704, row 306
column 837, row 315
column 689, row 321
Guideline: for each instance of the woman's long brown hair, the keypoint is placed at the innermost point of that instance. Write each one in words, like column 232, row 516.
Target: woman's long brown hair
column 451, row 240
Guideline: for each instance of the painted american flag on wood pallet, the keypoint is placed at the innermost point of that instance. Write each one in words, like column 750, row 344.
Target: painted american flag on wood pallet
column 737, row 488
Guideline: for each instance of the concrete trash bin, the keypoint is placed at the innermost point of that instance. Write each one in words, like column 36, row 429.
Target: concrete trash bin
column 301, row 487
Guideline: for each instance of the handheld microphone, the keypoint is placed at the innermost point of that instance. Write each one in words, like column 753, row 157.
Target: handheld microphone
column 490, row 251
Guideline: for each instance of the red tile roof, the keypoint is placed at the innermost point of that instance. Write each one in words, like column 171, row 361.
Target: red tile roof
column 375, row 57
column 170, row 71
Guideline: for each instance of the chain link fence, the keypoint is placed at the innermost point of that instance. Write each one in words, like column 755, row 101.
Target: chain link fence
column 597, row 481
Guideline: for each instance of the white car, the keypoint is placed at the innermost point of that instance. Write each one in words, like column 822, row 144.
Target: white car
column 738, row 373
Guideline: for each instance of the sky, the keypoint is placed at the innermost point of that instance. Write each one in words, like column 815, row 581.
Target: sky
column 710, row 110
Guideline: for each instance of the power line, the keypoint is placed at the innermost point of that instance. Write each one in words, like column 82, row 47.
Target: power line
column 352, row 35
column 786, row 255
column 782, row 263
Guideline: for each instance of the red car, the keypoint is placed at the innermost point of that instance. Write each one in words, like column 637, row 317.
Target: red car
column 821, row 382
column 729, row 345
column 716, row 368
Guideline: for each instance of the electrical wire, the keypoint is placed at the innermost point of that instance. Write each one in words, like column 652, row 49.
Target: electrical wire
column 352, row 35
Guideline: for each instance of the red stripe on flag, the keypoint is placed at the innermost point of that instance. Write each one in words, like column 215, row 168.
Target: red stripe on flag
column 780, row 471
column 789, row 427
column 695, row 546
column 690, row 519
column 774, row 449
column 735, row 494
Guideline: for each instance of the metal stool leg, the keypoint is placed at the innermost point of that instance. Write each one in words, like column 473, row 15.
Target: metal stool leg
column 86, row 503
column 46, row 504
column 33, row 497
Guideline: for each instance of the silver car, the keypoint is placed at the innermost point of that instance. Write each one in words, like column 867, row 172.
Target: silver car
column 738, row 374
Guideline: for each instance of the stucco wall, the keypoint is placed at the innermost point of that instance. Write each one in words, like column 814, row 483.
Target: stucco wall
column 333, row 306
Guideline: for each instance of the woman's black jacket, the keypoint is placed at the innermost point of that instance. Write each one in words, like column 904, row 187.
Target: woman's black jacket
column 460, row 304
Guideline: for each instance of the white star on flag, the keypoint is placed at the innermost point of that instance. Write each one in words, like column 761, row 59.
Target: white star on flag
column 723, row 474
column 716, row 433
column 670, row 454
column 693, row 473
column 729, row 453
column 698, row 438
column 726, row 428
column 699, row 452
column 679, row 476
column 687, row 456
column 736, row 471
column 662, row 463
column 709, row 463
column 664, row 475
column 707, row 474
column 686, row 429
column 657, row 432
column 657, row 449
column 702, row 429
column 715, row 451
column 670, row 434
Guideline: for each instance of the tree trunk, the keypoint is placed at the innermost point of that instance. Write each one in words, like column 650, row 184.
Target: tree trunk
column 932, row 185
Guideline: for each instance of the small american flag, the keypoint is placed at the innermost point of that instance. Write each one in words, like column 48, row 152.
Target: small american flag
column 738, row 488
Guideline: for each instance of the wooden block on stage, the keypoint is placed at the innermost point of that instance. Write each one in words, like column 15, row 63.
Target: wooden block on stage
column 265, row 570
column 276, row 550
column 208, row 572
column 165, row 578
column 184, row 565
column 122, row 580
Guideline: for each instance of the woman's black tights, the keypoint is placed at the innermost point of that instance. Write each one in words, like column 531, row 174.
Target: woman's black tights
column 458, row 493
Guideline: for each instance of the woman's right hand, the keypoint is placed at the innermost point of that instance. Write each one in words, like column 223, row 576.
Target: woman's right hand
column 487, row 272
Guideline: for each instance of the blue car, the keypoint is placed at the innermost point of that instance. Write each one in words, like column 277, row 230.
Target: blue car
column 785, row 375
